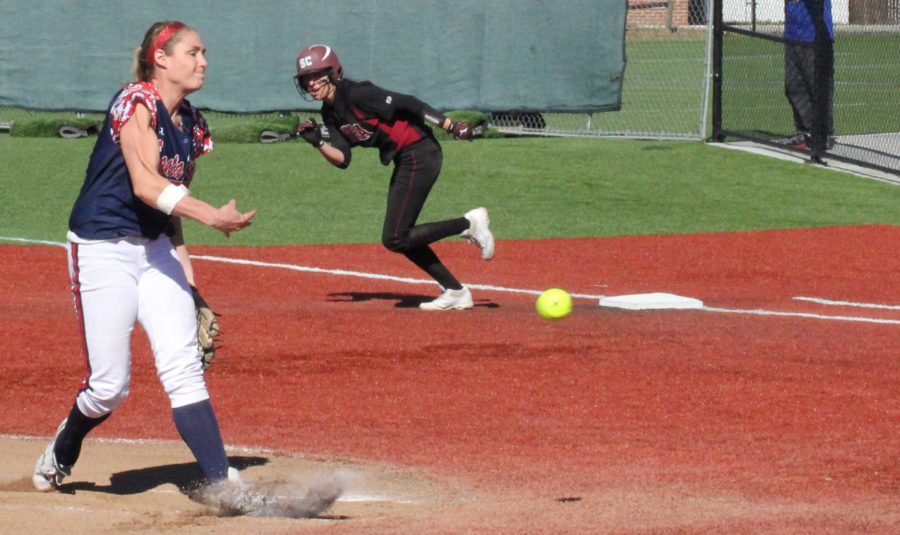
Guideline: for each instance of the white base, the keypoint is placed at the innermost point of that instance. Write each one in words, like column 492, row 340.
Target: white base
column 651, row 301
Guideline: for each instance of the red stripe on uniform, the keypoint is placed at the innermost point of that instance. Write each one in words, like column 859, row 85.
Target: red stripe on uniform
column 79, row 314
column 400, row 132
column 409, row 189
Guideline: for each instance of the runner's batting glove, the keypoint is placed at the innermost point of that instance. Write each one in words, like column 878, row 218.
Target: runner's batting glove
column 207, row 329
column 461, row 130
column 311, row 132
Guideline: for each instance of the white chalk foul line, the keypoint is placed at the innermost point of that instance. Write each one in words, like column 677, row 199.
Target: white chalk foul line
column 377, row 276
column 486, row 287
column 821, row 301
column 365, row 275
column 39, row 242
column 760, row 312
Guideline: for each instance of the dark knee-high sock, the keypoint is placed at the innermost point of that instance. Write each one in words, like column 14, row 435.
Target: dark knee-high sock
column 68, row 443
column 425, row 258
column 427, row 233
column 199, row 429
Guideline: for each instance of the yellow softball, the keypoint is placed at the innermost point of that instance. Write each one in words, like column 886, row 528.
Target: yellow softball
column 554, row 304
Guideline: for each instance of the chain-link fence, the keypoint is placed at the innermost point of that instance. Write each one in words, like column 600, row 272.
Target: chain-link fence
column 821, row 78
column 665, row 85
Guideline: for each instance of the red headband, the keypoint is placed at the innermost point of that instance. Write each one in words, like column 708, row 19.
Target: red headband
column 161, row 39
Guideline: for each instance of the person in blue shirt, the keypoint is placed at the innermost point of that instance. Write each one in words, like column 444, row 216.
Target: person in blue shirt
column 127, row 257
column 802, row 20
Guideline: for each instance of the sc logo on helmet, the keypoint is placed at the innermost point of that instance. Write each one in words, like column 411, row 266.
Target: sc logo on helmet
column 305, row 62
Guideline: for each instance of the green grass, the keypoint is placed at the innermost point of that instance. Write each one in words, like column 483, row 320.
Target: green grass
column 535, row 188
column 867, row 84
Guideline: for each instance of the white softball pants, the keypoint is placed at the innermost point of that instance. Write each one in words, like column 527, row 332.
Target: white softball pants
column 114, row 283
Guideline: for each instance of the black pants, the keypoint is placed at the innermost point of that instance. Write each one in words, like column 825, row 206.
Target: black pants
column 416, row 169
column 800, row 85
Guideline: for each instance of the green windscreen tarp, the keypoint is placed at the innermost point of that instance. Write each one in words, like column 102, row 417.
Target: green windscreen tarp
column 471, row 54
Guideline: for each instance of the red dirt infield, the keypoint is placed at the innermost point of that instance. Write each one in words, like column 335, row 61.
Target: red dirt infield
column 718, row 420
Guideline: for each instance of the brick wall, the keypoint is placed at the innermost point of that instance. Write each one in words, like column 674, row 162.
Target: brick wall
column 656, row 12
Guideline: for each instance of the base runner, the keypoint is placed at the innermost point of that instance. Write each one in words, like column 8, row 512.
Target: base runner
column 363, row 114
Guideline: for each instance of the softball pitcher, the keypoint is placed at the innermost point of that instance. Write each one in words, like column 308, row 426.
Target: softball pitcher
column 363, row 114
column 127, row 258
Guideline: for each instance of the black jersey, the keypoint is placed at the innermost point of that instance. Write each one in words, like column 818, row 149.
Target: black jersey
column 363, row 114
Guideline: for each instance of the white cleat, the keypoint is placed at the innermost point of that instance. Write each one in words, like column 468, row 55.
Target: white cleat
column 233, row 475
column 48, row 474
column 451, row 300
column 479, row 232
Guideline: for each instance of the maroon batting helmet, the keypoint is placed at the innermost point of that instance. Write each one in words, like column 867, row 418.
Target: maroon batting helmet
column 317, row 59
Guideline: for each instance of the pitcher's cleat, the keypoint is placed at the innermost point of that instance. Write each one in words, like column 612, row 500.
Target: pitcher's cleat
column 48, row 474
column 451, row 300
column 233, row 475
column 479, row 232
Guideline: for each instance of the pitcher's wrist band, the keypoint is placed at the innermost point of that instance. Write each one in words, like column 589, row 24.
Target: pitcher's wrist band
column 170, row 196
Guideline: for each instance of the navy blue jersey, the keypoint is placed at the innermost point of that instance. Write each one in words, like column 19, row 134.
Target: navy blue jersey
column 799, row 26
column 366, row 115
column 107, row 206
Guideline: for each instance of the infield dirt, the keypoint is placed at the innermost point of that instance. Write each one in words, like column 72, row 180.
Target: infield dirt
column 759, row 414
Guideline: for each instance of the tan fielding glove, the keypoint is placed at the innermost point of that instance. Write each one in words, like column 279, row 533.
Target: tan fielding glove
column 207, row 329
